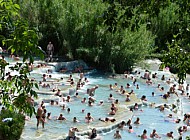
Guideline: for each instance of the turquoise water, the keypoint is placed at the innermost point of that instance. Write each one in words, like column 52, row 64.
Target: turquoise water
column 150, row 117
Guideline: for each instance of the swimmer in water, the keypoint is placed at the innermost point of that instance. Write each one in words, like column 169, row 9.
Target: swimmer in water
column 117, row 135
column 75, row 120
column 111, row 97
column 137, row 121
column 170, row 134
column 144, row 135
column 61, row 117
column 89, row 118
column 121, row 125
column 130, row 130
column 154, row 134
column 112, row 112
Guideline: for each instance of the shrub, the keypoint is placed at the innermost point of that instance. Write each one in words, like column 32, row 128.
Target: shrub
column 10, row 130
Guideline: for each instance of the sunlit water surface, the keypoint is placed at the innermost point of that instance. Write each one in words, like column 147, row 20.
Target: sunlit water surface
column 150, row 117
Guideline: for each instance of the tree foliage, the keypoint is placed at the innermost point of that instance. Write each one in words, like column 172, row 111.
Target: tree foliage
column 177, row 59
column 93, row 30
column 10, row 130
column 20, row 40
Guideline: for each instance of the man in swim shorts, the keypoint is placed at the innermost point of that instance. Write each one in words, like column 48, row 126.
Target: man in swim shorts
column 50, row 49
column 39, row 116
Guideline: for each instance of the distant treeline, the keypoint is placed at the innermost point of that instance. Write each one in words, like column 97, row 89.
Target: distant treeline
column 110, row 34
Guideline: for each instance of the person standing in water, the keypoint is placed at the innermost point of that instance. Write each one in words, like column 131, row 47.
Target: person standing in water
column 39, row 116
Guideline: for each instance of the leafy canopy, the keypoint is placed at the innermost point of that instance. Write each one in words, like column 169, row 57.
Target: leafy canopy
column 20, row 40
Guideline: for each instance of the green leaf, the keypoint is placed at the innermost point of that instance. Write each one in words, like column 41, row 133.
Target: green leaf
column 17, row 6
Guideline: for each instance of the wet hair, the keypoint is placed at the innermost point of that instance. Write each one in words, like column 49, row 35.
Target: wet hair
column 131, row 109
column 128, row 122
column 144, row 131
column 68, row 109
column 143, row 97
column 123, row 122
column 89, row 102
column 178, row 120
column 116, row 101
column 106, row 119
column 113, row 120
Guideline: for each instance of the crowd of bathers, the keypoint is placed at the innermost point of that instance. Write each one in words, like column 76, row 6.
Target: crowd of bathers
column 179, row 90
column 127, row 91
